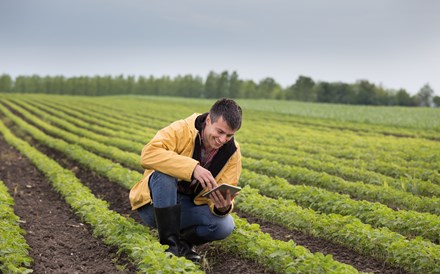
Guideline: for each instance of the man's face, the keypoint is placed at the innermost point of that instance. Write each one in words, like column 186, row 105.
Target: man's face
column 217, row 134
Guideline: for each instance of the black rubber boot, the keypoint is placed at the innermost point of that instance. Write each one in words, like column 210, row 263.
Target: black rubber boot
column 168, row 226
column 189, row 238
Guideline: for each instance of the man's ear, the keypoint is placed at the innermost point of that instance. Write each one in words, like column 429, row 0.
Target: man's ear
column 208, row 118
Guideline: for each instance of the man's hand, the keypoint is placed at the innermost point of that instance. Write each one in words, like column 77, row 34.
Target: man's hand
column 205, row 177
column 222, row 203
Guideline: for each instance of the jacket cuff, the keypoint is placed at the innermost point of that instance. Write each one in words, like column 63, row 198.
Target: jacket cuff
column 219, row 213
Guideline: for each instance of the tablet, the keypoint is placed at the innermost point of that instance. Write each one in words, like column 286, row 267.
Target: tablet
column 223, row 188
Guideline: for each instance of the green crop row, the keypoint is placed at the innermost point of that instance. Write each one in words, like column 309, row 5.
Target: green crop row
column 346, row 156
column 14, row 250
column 342, row 135
column 416, row 187
column 128, row 158
column 359, row 190
column 89, row 122
column 391, row 146
column 87, row 118
column 390, row 163
column 282, row 257
column 390, row 155
column 375, row 119
column 271, row 260
column 132, row 238
column 108, row 115
column 333, row 141
column 143, row 109
column 95, row 124
column 388, row 149
column 346, row 230
column 408, row 223
column 132, row 107
column 114, row 171
column 63, row 123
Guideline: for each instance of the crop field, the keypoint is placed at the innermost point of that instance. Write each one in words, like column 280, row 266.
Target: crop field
column 326, row 188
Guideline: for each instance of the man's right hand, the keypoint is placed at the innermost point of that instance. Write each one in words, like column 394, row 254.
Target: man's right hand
column 205, row 177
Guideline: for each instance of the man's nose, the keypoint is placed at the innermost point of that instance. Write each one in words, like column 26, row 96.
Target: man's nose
column 223, row 139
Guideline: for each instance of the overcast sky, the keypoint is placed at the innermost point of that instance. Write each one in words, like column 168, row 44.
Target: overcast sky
column 391, row 43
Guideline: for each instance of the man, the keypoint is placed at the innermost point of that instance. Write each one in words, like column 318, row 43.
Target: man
column 182, row 162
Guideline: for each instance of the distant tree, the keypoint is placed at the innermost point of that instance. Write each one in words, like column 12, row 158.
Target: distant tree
column 35, row 84
column 324, row 92
column 141, row 85
column 436, row 100
column 20, row 84
column 277, row 93
column 54, row 84
column 188, row 86
column 403, row 98
column 211, row 85
column 5, row 83
column 381, row 96
column 163, row 86
column 343, row 93
column 248, row 89
column 234, row 85
column 266, row 88
column 289, row 93
column 425, row 96
column 365, row 93
column 222, row 89
column 302, row 90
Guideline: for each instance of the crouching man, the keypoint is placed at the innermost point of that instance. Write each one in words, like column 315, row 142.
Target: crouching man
column 182, row 162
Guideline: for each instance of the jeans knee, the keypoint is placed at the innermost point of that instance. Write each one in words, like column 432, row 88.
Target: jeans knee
column 222, row 229
column 162, row 179
column 163, row 189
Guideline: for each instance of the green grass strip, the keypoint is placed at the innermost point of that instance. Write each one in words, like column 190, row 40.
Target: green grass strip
column 14, row 250
column 283, row 257
column 406, row 222
column 359, row 190
column 343, row 170
column 131, row 159
column 62, row 122
column 88, row 121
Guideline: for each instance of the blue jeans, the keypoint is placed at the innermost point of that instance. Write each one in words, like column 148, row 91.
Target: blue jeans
column 209, row 227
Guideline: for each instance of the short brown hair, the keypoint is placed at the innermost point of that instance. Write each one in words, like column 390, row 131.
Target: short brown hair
column 229, row 110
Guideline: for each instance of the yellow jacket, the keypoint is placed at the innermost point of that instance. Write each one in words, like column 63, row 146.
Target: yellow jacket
column 175, row 151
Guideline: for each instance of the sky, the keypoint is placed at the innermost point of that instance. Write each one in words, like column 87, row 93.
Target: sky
column 391, row 43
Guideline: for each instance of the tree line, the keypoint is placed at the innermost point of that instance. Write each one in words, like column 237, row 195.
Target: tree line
column 217, row 85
